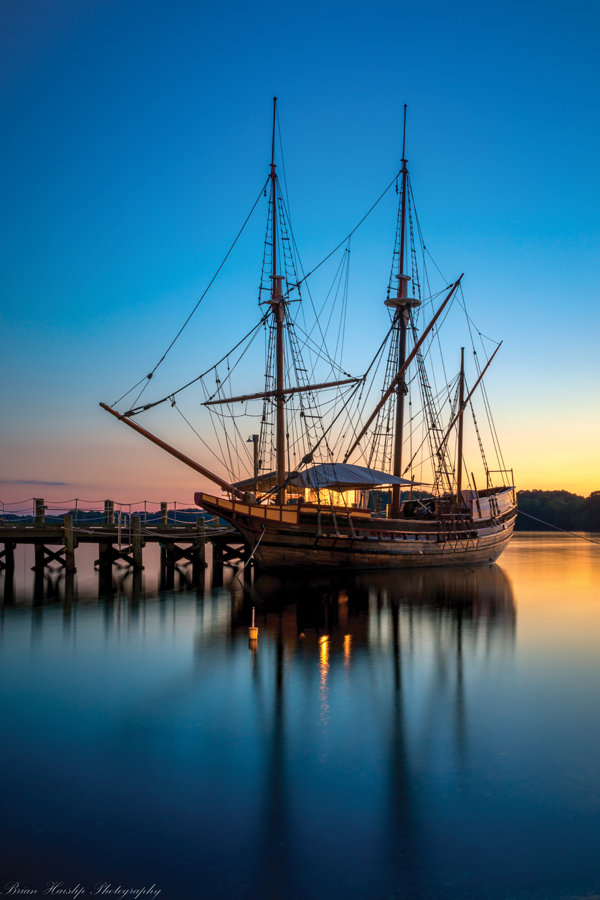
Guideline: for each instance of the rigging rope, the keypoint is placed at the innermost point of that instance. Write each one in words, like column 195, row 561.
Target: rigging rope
column 138, row 409
column 348, row 236
column 227, row 255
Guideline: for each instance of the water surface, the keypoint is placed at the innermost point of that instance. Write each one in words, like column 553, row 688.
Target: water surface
column 430, row 734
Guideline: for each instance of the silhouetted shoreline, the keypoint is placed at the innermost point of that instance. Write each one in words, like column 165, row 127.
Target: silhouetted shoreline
column 559, row 508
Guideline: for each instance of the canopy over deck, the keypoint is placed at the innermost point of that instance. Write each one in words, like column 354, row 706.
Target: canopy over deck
column 346, row 477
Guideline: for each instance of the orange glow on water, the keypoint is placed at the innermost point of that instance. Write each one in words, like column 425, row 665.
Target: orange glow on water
column 324, row 671
column 347, row 650
column 556, row 580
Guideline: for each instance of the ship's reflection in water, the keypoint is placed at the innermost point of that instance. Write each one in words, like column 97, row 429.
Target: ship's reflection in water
column 386, row 736
column 362, row 689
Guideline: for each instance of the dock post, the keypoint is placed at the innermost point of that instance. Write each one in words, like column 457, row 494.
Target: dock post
column 38, row 585
column 217, row 565
column 9, row 556
column 69, row 592
column 39, row 558
column 105, row 580
column 69, row 544
column 40, row 519
column 169, row 569
column 199, row 553
column 9, row 586
column 163, row 513
column 136, row 588
column 201, row 541
column 104, row 554
column 40, row 512
column 109, row 512
column 136, row 541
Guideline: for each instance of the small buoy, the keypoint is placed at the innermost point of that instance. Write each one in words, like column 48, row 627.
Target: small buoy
column 253, row 630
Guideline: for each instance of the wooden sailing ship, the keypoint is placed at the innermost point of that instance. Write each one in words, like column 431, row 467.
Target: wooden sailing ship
column 303, row 503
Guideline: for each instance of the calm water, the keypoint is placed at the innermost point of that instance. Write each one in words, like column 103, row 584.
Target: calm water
column 434, row 734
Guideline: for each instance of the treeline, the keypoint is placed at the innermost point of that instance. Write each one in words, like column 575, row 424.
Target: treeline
column 560, row 508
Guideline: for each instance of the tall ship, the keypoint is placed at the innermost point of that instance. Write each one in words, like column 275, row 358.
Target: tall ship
column 365, row 470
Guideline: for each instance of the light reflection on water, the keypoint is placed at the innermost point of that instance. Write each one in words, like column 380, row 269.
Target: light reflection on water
column 420, row 734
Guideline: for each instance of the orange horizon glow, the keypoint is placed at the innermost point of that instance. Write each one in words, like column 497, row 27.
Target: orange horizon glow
column 114, row 464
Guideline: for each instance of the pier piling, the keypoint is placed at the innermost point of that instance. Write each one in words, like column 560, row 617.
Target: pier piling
column 40, row 512
column 70, row 544
column 181, row 543
column 199, row 553
column 109, row 512
column 7, row 556
column 136, row 542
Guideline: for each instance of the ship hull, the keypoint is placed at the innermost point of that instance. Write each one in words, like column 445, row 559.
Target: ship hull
column 325, row 552
column 361, row 544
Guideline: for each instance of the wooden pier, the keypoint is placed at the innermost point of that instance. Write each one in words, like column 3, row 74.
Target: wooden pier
column 180, row 543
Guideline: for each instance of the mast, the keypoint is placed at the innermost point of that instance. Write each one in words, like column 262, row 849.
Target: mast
column 402, row 316
column 278, row 307
column 461, row 400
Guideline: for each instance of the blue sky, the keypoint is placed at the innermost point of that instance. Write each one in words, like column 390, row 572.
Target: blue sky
column 137, row 136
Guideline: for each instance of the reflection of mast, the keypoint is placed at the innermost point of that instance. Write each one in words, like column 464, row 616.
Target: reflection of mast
column 400, row 830
column 399, row 752
column 459, row 703
column 274, row 839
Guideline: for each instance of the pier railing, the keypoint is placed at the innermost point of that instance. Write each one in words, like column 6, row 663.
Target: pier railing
column 35, row 510
column 121, row 531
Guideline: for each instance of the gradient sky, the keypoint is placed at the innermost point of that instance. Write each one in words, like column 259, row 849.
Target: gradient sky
column 136, row 138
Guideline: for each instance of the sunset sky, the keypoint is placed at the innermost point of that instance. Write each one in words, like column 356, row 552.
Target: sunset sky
column 136, row 137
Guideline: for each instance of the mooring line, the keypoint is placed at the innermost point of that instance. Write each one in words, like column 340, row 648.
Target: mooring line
column 237, row 574
column 564, row 531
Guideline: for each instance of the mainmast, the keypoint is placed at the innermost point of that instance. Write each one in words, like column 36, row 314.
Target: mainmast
column 461, row 403
column 278, row 307
column 402, row 303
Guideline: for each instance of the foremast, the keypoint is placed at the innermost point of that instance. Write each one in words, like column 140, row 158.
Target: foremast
column 278, row 305
column 403, row 304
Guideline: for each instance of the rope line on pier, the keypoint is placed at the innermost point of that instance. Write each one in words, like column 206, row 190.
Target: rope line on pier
column 175, row 537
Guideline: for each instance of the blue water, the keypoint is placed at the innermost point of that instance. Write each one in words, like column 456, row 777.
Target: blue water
column 430, row 734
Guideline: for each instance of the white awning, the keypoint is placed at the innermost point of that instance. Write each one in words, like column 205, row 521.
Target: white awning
column 346, row 477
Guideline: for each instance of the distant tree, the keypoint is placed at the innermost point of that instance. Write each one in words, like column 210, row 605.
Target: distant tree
column 592, row 512
column 560, row 508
